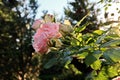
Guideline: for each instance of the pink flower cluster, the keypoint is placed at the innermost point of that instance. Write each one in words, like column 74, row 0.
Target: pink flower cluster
column 44, row 32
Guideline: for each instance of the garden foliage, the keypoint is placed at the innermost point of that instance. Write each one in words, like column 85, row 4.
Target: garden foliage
column 72, row 52
column 90, row 56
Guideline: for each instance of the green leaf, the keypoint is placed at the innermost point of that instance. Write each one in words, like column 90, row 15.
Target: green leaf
column 90, row 59
column 112, row 71
column 111, row 43
column 99, row 32
column 101, row 76
column 50, row 63
column 100, row 38
column 112, row 54
column 84, row 48
column 67, row 64
column 97, row 54
column 74, row 69
column 90, row 40
column 82, row 28
column 95, row 75
column 108, row 58
column 82, row 55
column 82, row 20
column 96, row 65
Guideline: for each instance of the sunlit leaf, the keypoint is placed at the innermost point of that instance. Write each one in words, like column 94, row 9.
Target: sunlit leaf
column 82, row 55
column 67, row 64
column 90, row 40
column 82, row 28
column 101, row 76
column 96, row 65
column 112, row 71
column 97, row 54
column 99, row 32
column 100, row 38
column 112, row 55
column 74, row 69
column 111, row 43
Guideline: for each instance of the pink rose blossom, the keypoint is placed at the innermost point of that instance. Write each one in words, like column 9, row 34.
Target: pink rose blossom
column 117, row 78
column 43, row 34
column 52, row 30
column 40, row 43
column 37, row 24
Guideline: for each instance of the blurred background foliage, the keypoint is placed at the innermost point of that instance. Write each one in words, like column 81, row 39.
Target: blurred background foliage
column 78, row 9
column 16, row 17
column 87, row 54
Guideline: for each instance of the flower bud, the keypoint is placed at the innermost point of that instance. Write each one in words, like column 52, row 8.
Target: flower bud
column 48, row 18
column 65, row 29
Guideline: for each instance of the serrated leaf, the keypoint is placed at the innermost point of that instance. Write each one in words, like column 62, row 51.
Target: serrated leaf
column 108, row 58
column 50, row 63
column 96, row 65
column 112, row 54
column 97, row 54
column 111, row 43
column 90, row 59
